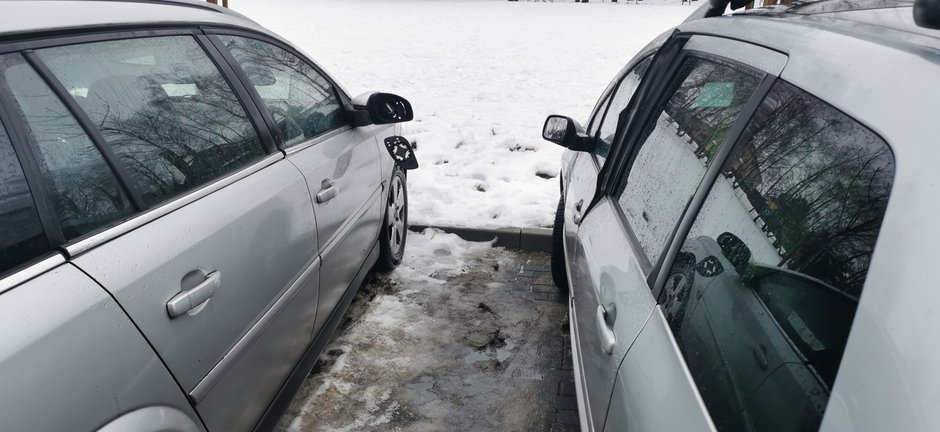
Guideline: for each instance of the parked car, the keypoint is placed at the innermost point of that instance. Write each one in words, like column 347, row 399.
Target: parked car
column 188, row 205
column 745, row 226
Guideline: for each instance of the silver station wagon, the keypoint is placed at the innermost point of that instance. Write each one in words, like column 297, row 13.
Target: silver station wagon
column 746, row 226
column 188, row 205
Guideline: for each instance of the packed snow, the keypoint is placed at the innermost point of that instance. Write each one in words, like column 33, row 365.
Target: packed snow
column 482, row 77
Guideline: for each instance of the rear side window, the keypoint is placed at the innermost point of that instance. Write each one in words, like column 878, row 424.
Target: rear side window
column 302, row 102
column 85, row 193
column 22, row 237
column 677, row 145
column 762, row 295
column 164, row 108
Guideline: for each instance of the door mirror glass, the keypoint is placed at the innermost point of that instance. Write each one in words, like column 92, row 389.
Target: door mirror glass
column 555, row 129
column 566, row 132
column 401, row 151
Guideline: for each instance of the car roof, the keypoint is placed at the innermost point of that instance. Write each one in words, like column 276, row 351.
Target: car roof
column 40, row 16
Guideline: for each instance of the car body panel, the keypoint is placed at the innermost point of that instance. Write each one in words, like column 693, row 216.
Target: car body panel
column 347, row 224
column 259, row 234
column 670, row 400
column 73, row 347
column 610, row 281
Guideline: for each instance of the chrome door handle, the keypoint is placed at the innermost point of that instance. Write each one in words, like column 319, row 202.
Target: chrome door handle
column 327, row 191
column 577, row 212
column 189, row 299
column 608, row 339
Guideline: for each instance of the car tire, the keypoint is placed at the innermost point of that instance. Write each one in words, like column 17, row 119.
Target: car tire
column 559, row 273
column 394, row 230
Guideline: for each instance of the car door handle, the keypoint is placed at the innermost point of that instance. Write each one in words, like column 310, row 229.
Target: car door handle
column 608, row 339
column 577, row 212
column 189, row 299
column 327, row 191
column 760, row 354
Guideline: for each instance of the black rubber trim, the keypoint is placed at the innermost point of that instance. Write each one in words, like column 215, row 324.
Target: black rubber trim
column 24, row 147
column 117, row 167
column 657, row 277
column 272, row 415
column 80, row 35
column 245, row 93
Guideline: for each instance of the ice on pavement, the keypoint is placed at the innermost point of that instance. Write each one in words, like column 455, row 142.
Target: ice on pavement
column 445, row 342
column 482, row 77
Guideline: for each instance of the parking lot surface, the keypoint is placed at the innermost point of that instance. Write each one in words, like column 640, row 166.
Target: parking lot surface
column 462, row 336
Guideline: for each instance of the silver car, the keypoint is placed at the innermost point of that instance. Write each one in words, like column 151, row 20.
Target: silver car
column 746, row 226
column 188, row 206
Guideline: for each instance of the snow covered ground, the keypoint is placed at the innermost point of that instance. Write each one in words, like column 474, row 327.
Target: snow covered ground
column 482, row 77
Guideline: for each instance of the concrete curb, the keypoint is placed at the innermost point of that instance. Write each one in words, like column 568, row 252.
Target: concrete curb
column 529, row 239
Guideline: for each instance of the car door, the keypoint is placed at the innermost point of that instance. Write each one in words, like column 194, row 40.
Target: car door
column 340, row 162
column 769, row 262
column 66, row 347
column 661, row 158
column 219, row 271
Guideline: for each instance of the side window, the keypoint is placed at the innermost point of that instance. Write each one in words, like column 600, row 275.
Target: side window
column 617, row 103
column 22, row 237
column 302, row 102
column 86, row 194
column 762, row 295
column 678, row 144
column 164, row 108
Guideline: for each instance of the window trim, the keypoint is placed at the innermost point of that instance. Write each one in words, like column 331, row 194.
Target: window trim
column 24, row 148
column 30, row 269
column 610, row 94
column 213, row 34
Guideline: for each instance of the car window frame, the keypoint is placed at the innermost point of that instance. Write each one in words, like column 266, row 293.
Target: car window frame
column 652, row 94
column 25, row 44
column 212, row 35
column 609, row 95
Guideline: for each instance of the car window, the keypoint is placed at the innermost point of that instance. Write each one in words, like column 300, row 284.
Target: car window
column 163, row 107
column 302, row 102
column 86, row 194
column 677, row 145
column 598, row 116
column 22, row 237
column 763, row 292
column 617, row 103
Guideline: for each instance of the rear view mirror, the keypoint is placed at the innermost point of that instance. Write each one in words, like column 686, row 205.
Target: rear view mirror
column 567, row 133
column 380, row 108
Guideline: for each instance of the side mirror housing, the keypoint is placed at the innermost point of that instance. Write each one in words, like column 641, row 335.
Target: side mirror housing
column 380, row 108
column 567, row 133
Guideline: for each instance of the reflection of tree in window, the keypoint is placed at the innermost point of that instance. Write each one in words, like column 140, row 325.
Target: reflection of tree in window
column 301, row 101
column 173, row 121
column 819, row 182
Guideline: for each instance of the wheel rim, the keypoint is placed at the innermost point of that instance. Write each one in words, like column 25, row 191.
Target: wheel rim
column 395, row 216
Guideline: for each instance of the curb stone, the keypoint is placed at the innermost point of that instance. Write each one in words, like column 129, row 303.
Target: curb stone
column 528, row 239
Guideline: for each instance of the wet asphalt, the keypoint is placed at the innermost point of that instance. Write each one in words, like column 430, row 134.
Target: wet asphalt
column 484, row 347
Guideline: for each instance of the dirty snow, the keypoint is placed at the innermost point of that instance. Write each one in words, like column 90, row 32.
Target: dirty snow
column 482, row 77
column 456, row 338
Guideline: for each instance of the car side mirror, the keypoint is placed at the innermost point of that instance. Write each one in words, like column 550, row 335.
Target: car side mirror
column 567, row 133
column 380, row 108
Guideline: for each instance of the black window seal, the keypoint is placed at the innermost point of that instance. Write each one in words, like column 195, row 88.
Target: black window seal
column 12, row 120
column 81, row 35
column 342, row 97
column 125, row 181
column 657, row 277
column 245, row 94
